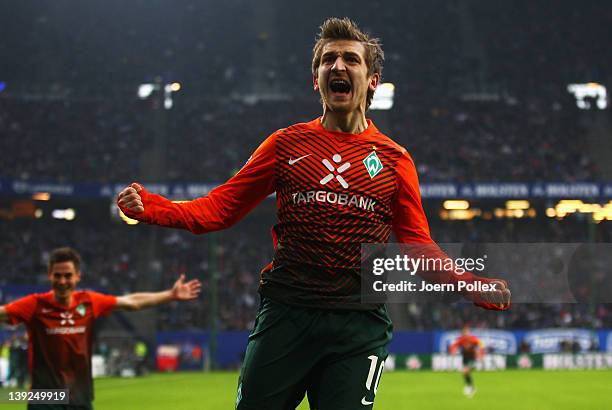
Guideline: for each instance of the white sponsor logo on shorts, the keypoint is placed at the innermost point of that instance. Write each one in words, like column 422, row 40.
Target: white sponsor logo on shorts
column 365, row 402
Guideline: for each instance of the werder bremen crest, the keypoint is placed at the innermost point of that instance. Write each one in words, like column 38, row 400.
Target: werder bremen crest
column 81, row 310
column 373, row 164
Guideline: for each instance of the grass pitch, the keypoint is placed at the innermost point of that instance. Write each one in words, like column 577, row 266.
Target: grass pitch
column 509, row 390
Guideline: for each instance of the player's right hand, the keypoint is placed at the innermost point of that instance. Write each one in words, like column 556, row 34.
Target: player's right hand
column 130, row 200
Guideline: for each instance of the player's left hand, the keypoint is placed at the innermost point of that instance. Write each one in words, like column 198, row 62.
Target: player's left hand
column 498, row 299
column 186, row 290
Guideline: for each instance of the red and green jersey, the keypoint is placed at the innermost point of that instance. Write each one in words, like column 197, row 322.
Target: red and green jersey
column 60, row 339
column 334, row 191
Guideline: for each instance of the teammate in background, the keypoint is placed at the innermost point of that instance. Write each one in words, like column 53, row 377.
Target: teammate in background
column 472, row 349
column 339, row 182
column 60, row 326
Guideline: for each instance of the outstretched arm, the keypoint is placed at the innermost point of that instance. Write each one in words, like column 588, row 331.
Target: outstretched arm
column 180, row 291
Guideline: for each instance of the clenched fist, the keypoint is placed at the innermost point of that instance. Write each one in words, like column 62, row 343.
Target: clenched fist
column 129, row 199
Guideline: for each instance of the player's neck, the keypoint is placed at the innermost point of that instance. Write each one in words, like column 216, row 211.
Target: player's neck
column 353, row 122
column 63, row 300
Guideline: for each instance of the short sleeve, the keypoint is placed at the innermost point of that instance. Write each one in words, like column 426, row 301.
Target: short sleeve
column 21, row 310
column 102, row 304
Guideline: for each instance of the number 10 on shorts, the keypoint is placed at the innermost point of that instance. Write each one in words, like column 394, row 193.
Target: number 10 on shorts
column 373, row 372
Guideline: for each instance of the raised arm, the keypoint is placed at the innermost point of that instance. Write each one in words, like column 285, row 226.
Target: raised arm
column 220, row 209
column 180, row 291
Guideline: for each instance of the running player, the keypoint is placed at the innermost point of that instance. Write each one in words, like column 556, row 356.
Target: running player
column 339, row 182
column 471, row 350
column 60, row 326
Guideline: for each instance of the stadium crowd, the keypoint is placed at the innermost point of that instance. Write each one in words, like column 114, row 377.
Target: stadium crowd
column 209, row 141
column 438, row 54
column 542, row 50
column 429, row 46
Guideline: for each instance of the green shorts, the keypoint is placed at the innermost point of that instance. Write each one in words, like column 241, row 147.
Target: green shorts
column 469, row 361
column 335, row 357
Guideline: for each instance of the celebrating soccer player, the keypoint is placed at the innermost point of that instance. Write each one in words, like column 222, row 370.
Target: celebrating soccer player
column 60, row 326
column 339, row 182
column 471, row 349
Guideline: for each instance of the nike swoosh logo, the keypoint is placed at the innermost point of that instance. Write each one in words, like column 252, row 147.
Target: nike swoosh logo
column 293, row 161
column 365, row 402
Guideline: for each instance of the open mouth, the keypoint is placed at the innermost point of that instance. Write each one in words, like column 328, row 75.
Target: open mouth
column 340, row 86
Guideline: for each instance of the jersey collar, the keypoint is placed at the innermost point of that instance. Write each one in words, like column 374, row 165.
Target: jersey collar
column 368, row 132
column 50, row 298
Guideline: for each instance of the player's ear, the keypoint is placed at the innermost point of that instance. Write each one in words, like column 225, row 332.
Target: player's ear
column 315, row 81
column 374, row 81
